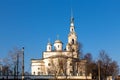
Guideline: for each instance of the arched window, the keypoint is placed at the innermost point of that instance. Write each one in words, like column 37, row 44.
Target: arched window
column 70, row 64
column 72, row 29
column 34, row 73
column 73, row 41
column 38, row 73
column 49, row 64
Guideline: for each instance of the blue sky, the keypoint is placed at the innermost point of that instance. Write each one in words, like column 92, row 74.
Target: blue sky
column 31, row 23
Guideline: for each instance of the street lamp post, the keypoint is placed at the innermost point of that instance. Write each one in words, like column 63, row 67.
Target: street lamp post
column 23, row 63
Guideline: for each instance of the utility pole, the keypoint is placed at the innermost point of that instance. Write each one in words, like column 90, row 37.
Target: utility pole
column 1, row 66
column 23, row 63
column 17, row 63
column 98, row 70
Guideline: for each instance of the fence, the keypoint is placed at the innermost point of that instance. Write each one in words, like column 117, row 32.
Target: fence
column 45, row 77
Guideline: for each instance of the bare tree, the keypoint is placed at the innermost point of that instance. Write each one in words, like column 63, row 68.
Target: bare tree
column 13, row 62
column 58, row 66
column 62, row 66
column 53, row 68
column 6, row 66
column 88, row 57
column 108, row 67
column 89, row 64
column 80, row 51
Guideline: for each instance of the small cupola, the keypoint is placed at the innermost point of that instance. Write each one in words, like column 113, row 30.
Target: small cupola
column 58, row 45
column 49, row 47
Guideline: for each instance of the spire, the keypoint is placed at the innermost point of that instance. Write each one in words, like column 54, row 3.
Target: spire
column 72, row 18
column 48, row 40
column 71, row 13
column 72, row 22
column 57, row 36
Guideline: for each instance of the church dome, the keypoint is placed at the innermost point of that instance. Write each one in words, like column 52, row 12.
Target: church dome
column 58, row 45
column 49, row 47
column 58, row 41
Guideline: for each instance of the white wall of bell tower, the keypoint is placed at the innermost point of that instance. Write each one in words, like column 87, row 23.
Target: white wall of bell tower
column 72, row 37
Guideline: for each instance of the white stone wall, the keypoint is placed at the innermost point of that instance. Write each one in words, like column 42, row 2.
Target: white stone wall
column 37, row 67
column 51, row 54
column 35, row 64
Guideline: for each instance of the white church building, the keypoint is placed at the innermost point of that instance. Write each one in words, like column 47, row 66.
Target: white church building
column 57, row 60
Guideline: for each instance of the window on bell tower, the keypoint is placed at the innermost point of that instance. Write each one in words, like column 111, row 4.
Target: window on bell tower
column 34, row 73
column 72, row 29
column 73, row 41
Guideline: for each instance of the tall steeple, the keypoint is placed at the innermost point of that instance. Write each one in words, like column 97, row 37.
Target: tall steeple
column 72, row 18
column 72, row 37
column 72, row 28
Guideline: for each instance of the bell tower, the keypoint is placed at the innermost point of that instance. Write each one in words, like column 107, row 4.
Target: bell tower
column 72, row 37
